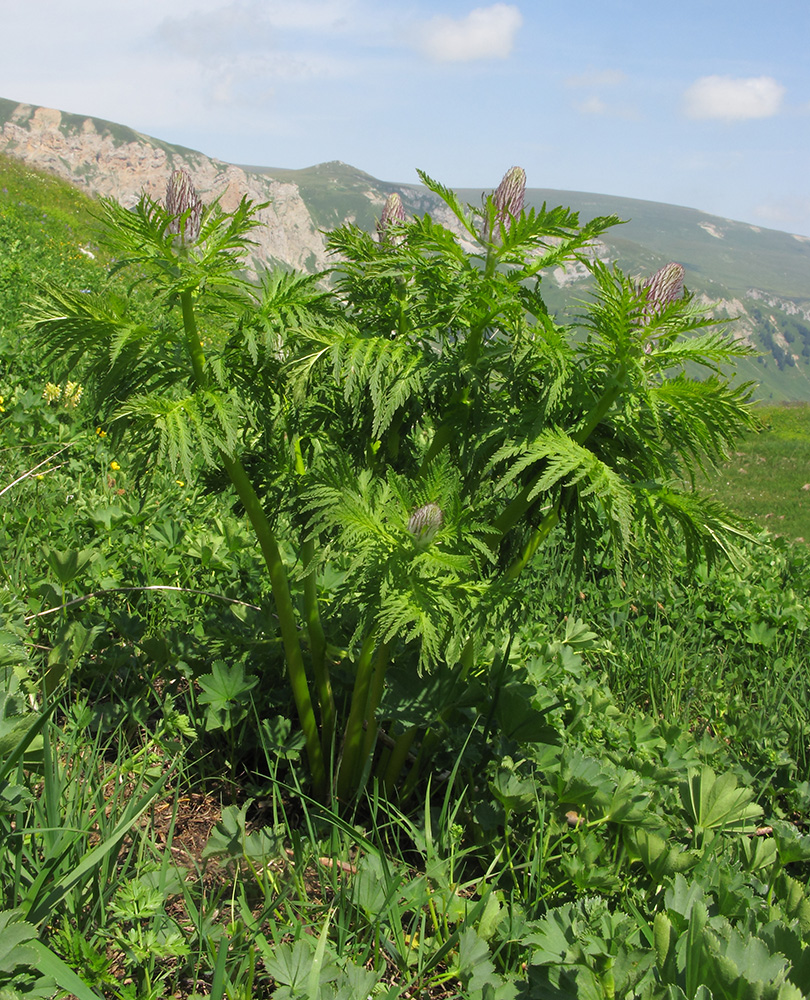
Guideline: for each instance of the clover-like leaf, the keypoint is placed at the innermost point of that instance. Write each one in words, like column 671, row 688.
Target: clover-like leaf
column 716, row 802
column 225, row 691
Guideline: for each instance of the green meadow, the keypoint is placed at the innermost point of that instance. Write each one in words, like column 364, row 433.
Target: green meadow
column 768, row 477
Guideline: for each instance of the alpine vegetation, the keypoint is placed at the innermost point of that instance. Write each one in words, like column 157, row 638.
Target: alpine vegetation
column 404, row 439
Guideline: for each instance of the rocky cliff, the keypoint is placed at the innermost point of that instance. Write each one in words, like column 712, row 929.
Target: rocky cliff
column 117, row 162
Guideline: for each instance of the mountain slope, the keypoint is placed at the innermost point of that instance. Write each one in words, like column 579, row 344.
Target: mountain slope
column 759, row 276
column 112, row 160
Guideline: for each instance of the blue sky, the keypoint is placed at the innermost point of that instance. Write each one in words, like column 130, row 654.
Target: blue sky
column 704, row 104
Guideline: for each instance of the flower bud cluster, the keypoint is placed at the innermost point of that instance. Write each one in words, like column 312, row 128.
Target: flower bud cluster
column 424, row 524
column 184, row 206
column 509, row 199
column 393, row 215
column 663, row 287
column 510, row 195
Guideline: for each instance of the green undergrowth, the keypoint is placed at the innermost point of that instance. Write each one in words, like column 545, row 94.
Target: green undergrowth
column 611, row 799
column 619, row 807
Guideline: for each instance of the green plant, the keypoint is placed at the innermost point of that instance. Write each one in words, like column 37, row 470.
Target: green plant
column 464, row 426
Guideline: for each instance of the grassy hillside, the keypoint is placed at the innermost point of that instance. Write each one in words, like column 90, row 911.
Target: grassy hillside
column 768, row 478
column 733, row 255
column 759, row 275
column 47, row 230
column 335, row 192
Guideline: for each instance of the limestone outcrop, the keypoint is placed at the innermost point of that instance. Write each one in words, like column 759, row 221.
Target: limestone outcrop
column 117, row 162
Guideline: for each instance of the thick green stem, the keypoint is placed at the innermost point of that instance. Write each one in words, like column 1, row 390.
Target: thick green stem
column 317, row 647
column 431, row 739
column 193, row 342
column 599, row 412
column 376, row 689
column 278, row 573
column 457, row 414
column 286, row 616
column 317, row 638
column 352, row 759
column 397, row 758
column 476, row 335
column 430, row 743
column 539, row 535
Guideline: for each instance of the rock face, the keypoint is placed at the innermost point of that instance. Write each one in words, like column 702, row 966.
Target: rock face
column 117, row 162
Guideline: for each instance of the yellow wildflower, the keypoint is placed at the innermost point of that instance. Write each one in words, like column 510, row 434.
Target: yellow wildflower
column 51, row 392
column 71, row 395
column 2, row 408
column 180, row 482
column 100, row 432
column 115, row 466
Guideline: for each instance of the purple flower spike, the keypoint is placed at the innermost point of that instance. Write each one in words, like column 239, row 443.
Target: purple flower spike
column 393, row 214
column 663, row 287
column 182, row 198
column 424, row 524
column 510, row 195
column 509, row 199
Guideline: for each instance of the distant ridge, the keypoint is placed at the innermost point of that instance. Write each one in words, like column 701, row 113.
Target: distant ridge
column 760, row 276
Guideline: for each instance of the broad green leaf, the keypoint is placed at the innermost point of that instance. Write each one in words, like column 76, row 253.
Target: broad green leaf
column 743, row 958
column 691, row 947
column 518, row 720
column 681, row 897
column 491, row 917
column 472, row 952
column 515, row 794
column 230, row 838
column 701, row 993
column 664, row 940
column 553, row 937
column 583, row 783
column 794, row 899
column 661, row 858
column 355, row 982
column 630, row 801
column 713, row 802
column 289, row 964
column 225, row 691
column 369, row 887
column 69, row 563
column 16, row 941
column 791, row 845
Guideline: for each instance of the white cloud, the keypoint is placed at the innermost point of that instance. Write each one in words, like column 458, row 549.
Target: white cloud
column 212, row 33
column 733, row 99
column 485, row 33
column 596, row 79
column 242, row 48
column 592, row 105
column 249, row 23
